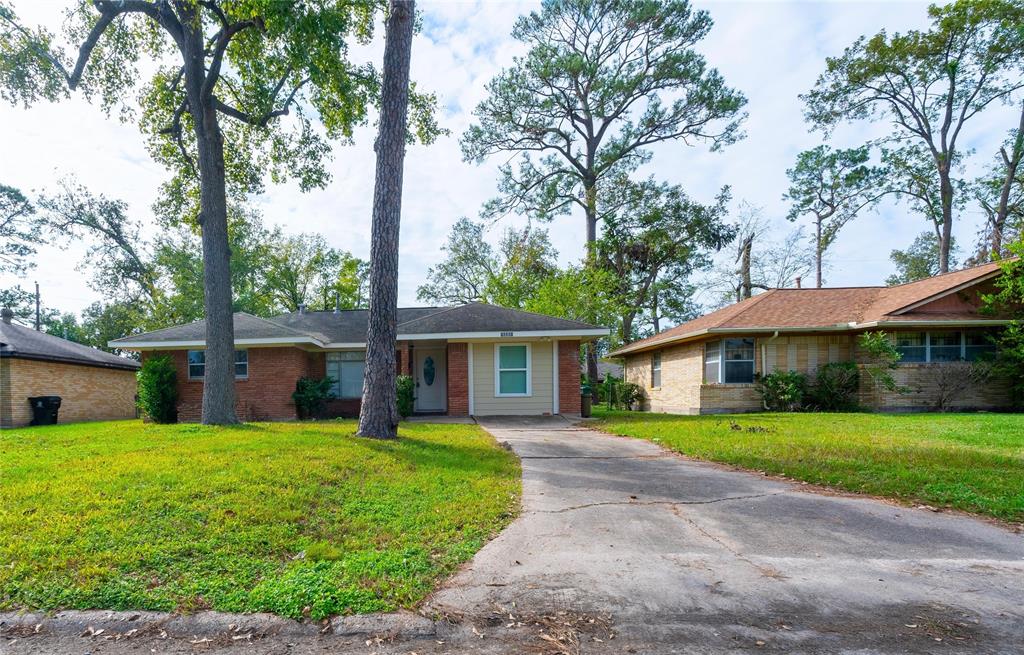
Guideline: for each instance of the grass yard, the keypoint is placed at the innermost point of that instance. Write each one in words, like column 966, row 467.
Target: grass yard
column 972, row 462
column 290, row 518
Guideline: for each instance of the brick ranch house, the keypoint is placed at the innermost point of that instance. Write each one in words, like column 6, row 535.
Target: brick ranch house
column 93, row 385
column 473, row 359
column 708, row 365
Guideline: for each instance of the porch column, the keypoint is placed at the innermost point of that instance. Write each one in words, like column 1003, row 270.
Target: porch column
column 569, row 377
column 458, row 379
column 404, row 359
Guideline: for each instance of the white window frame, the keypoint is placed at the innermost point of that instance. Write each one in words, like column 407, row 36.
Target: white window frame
column 189, row 365
column 722, row 361
column 498, row 370
column 656, row 368
column 928, row 346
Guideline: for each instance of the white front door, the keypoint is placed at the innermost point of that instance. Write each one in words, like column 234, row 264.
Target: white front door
column 431, row 380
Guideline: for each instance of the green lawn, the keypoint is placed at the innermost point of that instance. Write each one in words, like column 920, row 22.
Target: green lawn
column 263, row 517
column 972, row 462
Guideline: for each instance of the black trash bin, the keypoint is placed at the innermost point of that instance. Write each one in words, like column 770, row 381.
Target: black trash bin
column 44, row 409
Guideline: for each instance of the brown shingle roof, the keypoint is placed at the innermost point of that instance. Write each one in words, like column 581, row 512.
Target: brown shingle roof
column 825, row 308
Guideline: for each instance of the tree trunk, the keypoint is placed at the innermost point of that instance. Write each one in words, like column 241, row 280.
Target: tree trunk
column 378, row 416
column 746, row 285
column 219, row 375
column 1012, row 162
column 946, row 235
column 655, row 319
column 590, row 190
column 817, row 252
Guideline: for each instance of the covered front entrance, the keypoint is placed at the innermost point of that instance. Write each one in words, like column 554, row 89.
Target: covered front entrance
column 431, row 376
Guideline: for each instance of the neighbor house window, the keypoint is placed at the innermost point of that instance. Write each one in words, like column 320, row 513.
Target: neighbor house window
column 197, row 364
column 729, row 361
column 656, row 370
column 512, row 370
column 944, row 346
column 346, row 370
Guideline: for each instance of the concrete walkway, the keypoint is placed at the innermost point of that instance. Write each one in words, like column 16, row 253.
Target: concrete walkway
column 693, row 557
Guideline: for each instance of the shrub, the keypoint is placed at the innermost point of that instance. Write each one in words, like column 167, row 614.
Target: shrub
column 158, row 389
column 311, row 396
column 782, row 391
column 883, row 358
column 835, row 387
column 405, row 386
column 619, row 394
column 950, row 380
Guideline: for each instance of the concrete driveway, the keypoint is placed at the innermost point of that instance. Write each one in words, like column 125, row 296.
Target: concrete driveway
column 693, row 557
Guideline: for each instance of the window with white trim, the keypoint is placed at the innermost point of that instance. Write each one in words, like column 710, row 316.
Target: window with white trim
column 729, row 361
column 656, row 369
column 197, row 364
column 512, row 370
column 943, row 346
column 346, row 371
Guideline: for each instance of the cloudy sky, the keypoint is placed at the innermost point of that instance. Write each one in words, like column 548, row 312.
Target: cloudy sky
column 771, row 51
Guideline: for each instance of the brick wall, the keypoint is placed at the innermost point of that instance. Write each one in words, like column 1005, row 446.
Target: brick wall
column 88, row 393
column 569, row 377
column 266, row 395
column 458, row 379
column 922, row 383
column 683, row 390
column 682, row 372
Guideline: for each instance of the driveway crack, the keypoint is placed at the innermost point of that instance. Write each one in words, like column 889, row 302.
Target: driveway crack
column 654, row 503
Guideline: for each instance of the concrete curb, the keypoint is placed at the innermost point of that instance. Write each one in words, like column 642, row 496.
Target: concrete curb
column 209, row 625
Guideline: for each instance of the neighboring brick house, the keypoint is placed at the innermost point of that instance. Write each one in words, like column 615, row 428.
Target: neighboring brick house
column 473, row 359
column 708, row 365
column 93, row 385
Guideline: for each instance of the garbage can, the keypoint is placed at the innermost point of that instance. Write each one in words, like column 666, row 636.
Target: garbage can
column 44, row 409
column 585, row 398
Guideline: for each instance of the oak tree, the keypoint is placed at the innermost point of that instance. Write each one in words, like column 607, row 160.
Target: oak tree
column 929, row 85
column 236, row 89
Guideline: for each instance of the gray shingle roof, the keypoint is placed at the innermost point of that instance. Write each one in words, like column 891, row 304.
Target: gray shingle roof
column 349, row 326
column 25, row 343
column 247, row 326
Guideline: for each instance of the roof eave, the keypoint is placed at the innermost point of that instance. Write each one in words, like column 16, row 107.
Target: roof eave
column 128, row 365
column 126, row 343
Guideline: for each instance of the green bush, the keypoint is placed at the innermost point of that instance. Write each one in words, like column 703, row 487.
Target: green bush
column 782, row 391
column 158, row 389
column 835, row 387
column 311, row 396
column 618, row 394
column 405, row 387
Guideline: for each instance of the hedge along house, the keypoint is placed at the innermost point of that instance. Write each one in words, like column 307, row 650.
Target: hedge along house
column 473, row 359
column 93, row 385
column 708, row 365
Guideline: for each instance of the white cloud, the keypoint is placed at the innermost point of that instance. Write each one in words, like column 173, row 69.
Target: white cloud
column 772, row 51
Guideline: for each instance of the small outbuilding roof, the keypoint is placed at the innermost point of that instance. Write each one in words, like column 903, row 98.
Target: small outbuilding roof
column 21, row 342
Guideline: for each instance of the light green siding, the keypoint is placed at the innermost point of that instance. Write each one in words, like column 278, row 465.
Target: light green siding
column 541, row 398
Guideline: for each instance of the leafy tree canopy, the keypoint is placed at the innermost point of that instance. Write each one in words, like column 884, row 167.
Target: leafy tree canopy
column 602, row 81
column 919, row 261
column 928, row 84
column 832, row 186
column 19, row 230
column 655, row 238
